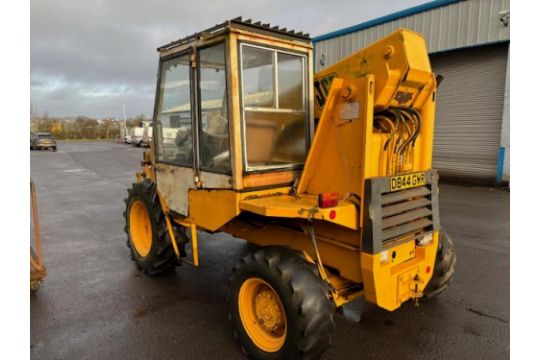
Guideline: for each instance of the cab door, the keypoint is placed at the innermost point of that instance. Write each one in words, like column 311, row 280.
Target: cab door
column 213, row 127
column 192, row 125
column 174, row 124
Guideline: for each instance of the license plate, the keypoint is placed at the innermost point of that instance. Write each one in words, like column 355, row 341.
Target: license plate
column 407, row 181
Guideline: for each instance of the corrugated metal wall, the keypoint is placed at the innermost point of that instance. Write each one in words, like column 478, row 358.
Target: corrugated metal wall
column 469, row 111
column 504, row 175
column 463, row 24
column 471, row 98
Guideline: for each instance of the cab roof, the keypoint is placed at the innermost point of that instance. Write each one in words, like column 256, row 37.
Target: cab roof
column 239, row 23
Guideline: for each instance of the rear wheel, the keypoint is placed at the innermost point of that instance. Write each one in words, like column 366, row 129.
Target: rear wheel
column 148, row 236
column 279, row 306
column 443, row 272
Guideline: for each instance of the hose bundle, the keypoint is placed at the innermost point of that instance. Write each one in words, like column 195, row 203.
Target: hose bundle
column 402, row 128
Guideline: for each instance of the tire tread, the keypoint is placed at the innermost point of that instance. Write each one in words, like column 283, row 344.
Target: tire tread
column 444, row 269
column 309, row 296
column 162, row 259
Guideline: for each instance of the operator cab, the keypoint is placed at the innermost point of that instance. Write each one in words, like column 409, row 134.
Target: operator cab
column 233, row 110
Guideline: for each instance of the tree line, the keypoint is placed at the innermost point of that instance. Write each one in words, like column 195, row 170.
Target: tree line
column 82, row 127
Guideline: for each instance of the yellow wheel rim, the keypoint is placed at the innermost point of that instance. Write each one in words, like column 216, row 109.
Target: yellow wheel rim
column 140, row 228
column 262, row 315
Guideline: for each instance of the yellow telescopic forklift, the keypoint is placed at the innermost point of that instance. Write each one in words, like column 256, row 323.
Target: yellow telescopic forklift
column 328, row 175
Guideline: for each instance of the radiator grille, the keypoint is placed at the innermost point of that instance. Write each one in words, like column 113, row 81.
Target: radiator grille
column 389, row 217
column 406, row 212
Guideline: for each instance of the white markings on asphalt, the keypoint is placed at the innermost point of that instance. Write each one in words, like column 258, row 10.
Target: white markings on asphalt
column 74, row 170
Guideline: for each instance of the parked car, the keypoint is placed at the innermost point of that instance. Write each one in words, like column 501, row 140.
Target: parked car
column 127, row 139
column 137, row 140
column 137, row 136
column 40, row 141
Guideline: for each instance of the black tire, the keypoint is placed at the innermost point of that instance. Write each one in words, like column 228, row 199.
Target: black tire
column 304, row 295
column 443, row 272
column 54, row 149
column 161, row 257
column 251, row 247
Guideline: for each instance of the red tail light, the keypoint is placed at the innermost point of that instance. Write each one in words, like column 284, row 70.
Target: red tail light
column 327, row 200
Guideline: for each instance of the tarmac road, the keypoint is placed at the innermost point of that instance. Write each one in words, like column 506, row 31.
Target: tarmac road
column 94, row 304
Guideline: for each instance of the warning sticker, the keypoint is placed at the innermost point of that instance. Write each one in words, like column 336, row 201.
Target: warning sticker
column 349, row 111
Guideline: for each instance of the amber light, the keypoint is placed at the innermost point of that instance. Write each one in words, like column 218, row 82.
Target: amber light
column 327, row 200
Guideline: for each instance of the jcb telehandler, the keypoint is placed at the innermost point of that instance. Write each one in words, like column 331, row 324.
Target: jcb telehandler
column 329, row 177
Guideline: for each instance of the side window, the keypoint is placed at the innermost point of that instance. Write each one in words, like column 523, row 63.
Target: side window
column 173, row 118
column 274, row 107
column 290, row 82
column 258, row 77
column 214, row 128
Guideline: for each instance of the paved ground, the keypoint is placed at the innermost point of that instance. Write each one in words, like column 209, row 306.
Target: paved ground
column 94, row 304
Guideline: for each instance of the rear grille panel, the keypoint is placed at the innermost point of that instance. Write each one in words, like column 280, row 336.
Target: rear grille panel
column 390, row 217
column 409, row 215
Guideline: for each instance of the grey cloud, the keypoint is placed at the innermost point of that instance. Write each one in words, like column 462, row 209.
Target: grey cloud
column 89, row 57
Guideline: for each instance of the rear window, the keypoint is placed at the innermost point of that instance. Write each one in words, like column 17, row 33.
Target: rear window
column 44, row 135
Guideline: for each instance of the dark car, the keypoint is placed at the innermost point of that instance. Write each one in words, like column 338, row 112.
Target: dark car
column 39, row 141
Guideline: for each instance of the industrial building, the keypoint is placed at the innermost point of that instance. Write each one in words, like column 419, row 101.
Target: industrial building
column 469, row 45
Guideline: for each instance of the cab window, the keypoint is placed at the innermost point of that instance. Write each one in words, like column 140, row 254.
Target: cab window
column 274, row 107
column 214, row 118
column 174, row 114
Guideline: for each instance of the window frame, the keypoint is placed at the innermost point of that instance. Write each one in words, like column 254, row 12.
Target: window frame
column 225, row 43
column 306, row 108
column 158, row 134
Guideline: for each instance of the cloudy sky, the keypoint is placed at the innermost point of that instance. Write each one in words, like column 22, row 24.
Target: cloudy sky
column 88, row 57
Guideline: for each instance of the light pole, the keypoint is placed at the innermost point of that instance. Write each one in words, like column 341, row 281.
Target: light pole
column 125, row 120
column 125, row 132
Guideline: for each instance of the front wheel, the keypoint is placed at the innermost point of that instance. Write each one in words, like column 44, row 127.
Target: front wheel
column 148, row 236
column 279, row 307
